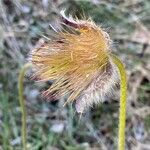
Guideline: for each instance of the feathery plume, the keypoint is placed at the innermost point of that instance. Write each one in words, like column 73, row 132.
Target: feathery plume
column 78, row 63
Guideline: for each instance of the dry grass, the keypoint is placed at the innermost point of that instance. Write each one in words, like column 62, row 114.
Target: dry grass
column 23, row 27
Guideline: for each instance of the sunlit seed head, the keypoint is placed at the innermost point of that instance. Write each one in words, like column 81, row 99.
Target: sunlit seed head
column 77, row 63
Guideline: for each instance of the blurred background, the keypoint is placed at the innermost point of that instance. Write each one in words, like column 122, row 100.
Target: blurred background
column 24, row 25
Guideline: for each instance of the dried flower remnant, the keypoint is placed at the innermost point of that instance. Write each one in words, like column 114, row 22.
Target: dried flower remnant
column 81, row 66
column 79, row 63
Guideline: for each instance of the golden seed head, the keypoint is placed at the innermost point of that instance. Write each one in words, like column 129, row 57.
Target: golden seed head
column 74, row 60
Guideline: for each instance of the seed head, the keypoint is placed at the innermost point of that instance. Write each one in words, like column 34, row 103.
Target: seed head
column 77, row 62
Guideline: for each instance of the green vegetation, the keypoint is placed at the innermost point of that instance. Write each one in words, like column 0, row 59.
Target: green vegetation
column 22, row 26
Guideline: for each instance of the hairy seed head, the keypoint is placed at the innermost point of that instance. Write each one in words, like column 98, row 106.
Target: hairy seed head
column 77, row 63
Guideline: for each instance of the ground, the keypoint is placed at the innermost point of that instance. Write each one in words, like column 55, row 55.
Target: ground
column 24, row 26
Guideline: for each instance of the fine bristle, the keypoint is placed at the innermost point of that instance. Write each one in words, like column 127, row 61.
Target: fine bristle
column 99, row 88
column 73, row 61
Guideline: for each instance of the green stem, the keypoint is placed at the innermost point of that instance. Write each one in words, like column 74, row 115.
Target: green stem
column 22, row 105
column 123, row 99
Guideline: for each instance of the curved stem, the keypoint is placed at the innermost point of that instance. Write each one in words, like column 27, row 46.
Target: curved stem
column 22, row 105
column 123, row 97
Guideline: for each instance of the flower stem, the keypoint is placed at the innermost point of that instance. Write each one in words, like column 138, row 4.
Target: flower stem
column 123, row 101
column 22, row 105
